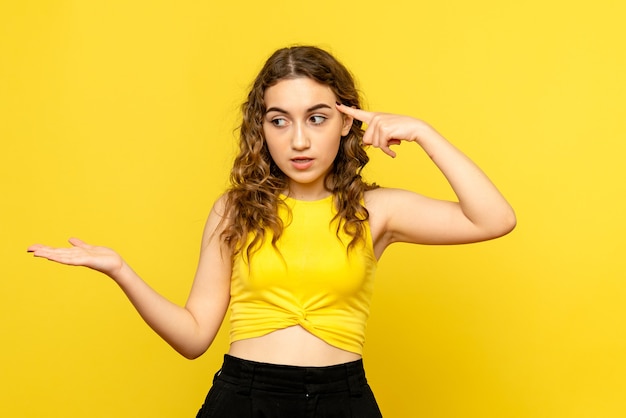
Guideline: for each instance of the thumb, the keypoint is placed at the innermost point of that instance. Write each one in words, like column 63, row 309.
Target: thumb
column 78, row 243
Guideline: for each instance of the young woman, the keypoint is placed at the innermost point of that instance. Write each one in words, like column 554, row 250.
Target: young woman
column 292, row 246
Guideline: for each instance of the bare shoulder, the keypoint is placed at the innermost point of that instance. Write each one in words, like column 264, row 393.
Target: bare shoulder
column 218, row 213
column 379, row 202
column 384, row 192
column 398, row 215
column 382, row 203
column 217, row 220
column 219, row 206
column 374, row 200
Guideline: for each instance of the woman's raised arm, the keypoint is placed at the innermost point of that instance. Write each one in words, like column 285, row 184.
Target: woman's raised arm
column 481, row 212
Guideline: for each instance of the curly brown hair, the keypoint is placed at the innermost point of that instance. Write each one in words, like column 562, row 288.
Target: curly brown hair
column 256, row 181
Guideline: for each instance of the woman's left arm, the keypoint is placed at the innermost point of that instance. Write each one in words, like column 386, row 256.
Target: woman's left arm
column 480, row 214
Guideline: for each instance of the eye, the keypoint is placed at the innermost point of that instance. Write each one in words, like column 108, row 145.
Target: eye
column 279, row 122
column 317, row 119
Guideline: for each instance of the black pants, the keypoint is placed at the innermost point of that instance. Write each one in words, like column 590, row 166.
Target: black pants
column 247, row 389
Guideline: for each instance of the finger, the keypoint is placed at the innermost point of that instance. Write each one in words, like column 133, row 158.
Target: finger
column 76, row 242
column 358, row 114
column 44, row 251
column 69, row 256
column 388, row 151
column 385, row 146
column 34, row 247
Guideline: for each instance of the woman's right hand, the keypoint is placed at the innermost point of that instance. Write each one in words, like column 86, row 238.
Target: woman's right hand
column 102, row 259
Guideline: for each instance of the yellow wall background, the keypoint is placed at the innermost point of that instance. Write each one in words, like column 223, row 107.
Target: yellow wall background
column 116, row 126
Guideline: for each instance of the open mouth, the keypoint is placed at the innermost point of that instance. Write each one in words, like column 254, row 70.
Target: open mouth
column 302, row 163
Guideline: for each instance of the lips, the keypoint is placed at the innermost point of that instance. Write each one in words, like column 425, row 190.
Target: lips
column 301, row 163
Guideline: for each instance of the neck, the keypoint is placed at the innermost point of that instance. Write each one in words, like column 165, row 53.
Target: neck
column 307, row 193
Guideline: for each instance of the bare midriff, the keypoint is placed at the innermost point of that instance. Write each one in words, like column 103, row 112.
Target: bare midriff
column 292, row 346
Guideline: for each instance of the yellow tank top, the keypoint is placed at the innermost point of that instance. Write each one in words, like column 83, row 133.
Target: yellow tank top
column 311, row 281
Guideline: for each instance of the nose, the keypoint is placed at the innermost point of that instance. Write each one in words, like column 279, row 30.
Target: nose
column 299, row 140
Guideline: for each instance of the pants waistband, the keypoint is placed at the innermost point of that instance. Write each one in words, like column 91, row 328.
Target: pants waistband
column 249, row 375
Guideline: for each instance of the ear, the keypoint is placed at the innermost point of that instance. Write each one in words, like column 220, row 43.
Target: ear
column 347, row 124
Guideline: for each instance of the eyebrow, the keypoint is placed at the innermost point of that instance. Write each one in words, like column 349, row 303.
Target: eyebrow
column 310, row 109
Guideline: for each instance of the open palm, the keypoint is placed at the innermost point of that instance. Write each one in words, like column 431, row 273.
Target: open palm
column 102, row 259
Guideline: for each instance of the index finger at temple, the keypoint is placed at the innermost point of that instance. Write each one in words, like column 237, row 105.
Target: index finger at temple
column 359, row 114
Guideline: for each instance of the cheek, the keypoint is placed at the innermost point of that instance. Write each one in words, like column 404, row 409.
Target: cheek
column 264, row 129
column 273, row 152
column 332, row 149
column 277, row 153
column 270, row 139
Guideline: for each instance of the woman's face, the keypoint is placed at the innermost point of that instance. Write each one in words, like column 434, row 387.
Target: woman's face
column 303, row 129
